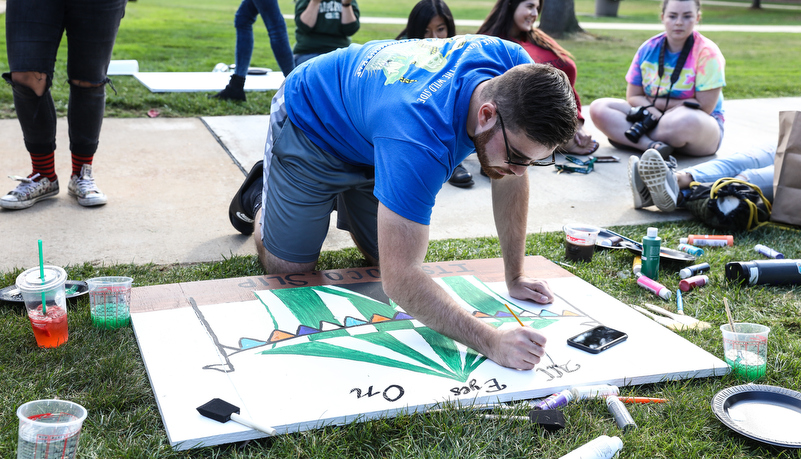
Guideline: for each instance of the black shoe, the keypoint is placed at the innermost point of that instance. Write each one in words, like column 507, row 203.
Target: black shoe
column 461, row 178
column 241, row 212
column 664, row 149
column 235, row 90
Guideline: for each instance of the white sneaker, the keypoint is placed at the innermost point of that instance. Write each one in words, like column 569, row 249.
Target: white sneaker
column 83, row 187
column 642, row 198
column 658, row 176
column 29, row 192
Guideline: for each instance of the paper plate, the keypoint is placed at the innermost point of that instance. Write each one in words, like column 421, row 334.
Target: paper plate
column 764, row 413
column 73, row 288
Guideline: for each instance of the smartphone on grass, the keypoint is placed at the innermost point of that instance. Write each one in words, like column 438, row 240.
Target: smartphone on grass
column 597, row 339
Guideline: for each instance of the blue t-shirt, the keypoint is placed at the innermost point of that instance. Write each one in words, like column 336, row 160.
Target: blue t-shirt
column 400, row 106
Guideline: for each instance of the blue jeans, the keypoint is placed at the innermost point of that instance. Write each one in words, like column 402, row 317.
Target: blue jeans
column 276, row 28
column 754, row 165
column 301, row 58
column 33, row 34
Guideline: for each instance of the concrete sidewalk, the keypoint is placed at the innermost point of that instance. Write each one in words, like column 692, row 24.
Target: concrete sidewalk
column 170, row 181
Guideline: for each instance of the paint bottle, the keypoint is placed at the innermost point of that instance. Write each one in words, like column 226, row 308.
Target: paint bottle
column 709, row 240
column 651, row 244
column 603, row 447
column 653, row 286
column 768, row 252
column 765, row 272
column 620, row 413
column 691, row 249
column 596, row 391
column 636, row 265
column 685, row 285
column 555, row 401
column 694, row 270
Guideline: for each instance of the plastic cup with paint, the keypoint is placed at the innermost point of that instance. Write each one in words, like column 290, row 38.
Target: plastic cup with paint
column 49, row 321
column 580, row 242
column 746, row 349
column 49, row 429
column 110, row 301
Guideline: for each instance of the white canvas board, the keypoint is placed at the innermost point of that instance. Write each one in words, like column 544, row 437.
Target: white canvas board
column 205, row 81
column 123, row 67
column 298, row 359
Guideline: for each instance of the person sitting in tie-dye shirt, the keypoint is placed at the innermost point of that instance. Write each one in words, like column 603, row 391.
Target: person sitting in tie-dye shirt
column 685, row 110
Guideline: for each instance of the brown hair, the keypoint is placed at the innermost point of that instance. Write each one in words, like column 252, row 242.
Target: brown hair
column 697, row 4
column 501, row 18
column 538, row 99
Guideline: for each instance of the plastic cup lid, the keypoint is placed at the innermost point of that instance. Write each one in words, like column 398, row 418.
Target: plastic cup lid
column 30, row 280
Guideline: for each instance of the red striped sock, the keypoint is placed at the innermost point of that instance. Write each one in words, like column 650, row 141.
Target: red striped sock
column 44, row 165
column 78, row 162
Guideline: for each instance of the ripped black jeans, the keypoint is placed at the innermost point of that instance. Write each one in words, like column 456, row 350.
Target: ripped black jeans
column 34, row 29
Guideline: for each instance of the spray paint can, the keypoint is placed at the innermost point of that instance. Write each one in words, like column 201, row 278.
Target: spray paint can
column 765, row 272
column 685, row 285
column 653, row 286
column 620, row 413
column 691, row 249
column 596, row 391
column 603, row 447
column 768, row 252
column 708, row 240
column 651, row 244
column 555, row 401
column 694, row 270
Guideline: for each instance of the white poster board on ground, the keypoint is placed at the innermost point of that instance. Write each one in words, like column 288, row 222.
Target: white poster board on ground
column 302, row 358
column 205, row 81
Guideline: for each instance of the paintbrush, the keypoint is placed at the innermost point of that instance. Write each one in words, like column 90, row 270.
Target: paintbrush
column 222, row 411
column 690, row 322
column 728, row 314
column 669, row 323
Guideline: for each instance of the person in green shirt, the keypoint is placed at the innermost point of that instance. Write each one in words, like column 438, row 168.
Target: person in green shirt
column 323, row 26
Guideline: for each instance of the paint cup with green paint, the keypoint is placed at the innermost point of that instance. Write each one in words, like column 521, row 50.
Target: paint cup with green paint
column 746, row 349
column 110, row 301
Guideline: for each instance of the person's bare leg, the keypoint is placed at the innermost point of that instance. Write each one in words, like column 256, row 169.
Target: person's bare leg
column 35, row 80
column 269, row 262
column 370, row 259
column 684, row 179
column 691, row 132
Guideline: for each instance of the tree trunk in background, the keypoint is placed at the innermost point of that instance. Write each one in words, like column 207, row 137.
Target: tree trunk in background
column 559, row 18
column 756, row 5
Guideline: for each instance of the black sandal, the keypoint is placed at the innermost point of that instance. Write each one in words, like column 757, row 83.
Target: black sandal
column 664, row 149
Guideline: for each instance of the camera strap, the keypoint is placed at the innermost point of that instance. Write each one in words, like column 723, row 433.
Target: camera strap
column 674, row 77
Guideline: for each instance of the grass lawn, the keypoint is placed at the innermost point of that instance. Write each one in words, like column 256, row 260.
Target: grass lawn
column 103, row 371
column 195, row 35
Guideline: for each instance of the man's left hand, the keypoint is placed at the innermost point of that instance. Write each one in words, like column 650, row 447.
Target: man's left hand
column 526, row 288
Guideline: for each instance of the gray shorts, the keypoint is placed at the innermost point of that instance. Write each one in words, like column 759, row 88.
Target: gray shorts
column 303, row 184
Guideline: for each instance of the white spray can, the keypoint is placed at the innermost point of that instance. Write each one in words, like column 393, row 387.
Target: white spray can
column 602, row 447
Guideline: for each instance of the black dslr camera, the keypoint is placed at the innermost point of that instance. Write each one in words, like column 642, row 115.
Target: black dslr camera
column 643, row 121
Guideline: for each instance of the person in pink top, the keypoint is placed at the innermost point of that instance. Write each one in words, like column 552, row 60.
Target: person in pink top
column 513, row 20
column 674, row 97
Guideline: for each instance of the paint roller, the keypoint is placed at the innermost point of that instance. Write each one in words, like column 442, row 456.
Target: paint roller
column 222, row 411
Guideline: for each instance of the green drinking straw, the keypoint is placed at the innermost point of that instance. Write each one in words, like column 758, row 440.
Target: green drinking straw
column 42, row 276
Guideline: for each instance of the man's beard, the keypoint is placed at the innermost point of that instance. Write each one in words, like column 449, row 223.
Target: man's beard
column 480, row 142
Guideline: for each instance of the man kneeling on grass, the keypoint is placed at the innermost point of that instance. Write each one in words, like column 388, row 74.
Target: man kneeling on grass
column 374, row 131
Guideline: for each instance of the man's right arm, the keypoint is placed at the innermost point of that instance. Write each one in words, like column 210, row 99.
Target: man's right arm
column 402, row 248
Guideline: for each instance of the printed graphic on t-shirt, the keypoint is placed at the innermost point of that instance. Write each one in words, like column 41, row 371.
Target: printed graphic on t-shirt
column 332, row 10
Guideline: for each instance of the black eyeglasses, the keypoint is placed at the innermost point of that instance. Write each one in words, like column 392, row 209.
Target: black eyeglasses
column 550, row 162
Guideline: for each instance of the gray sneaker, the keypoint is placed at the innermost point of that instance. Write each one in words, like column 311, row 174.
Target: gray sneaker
column 660, row 179
column 29, row 192
column 83, row 187
column 640, row 193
